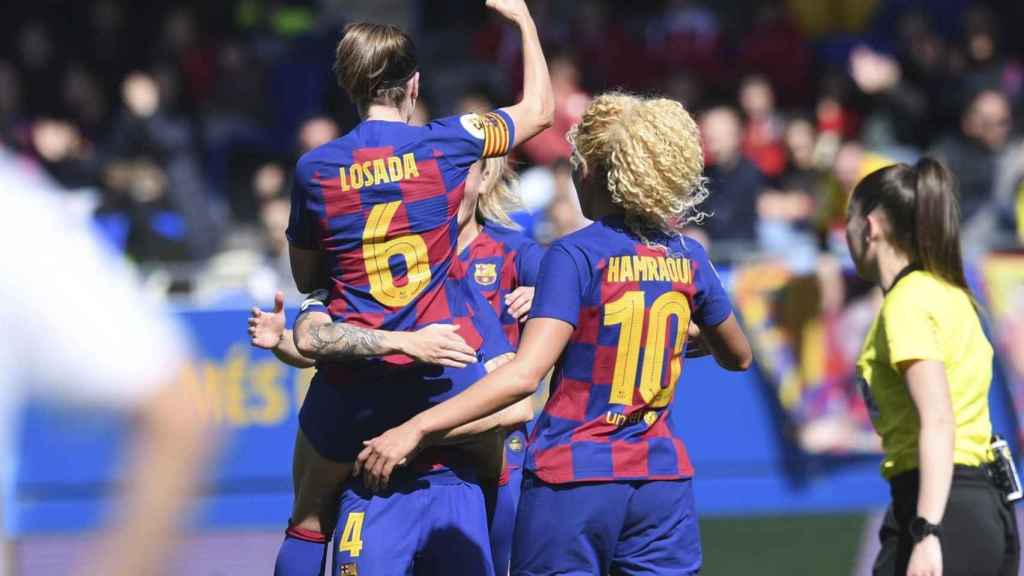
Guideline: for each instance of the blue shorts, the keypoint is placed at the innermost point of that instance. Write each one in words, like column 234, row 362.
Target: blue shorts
column 435, row 524
column 504, row 519
column 339, row 413
column 349, row 402
column 628, row 528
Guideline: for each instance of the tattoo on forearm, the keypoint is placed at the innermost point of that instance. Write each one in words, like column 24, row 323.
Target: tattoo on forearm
column 343, row 341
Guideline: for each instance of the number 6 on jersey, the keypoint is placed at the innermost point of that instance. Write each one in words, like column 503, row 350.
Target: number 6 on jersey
column 378, row 252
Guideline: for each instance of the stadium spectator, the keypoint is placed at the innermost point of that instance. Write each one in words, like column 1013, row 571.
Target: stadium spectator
column 570, row 101
column 735, row 182
column 151, row 161
column 762, row 131
column 973, row 153
column 897, row 109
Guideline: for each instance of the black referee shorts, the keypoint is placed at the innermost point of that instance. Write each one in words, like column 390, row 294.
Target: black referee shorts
column 979, row 529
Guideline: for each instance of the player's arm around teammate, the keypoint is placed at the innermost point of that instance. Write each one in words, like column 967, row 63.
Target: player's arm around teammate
column 926, row 368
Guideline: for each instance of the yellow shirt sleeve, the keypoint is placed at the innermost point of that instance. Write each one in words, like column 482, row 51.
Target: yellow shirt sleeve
column 911, row 330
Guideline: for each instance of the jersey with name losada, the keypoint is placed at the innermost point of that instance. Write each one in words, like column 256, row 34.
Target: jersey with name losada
column 498, row 261
column 381, row 204
column 630, row 302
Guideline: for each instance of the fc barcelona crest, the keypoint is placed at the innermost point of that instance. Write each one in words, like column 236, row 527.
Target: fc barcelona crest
column 515, row 443
column 349, row 569
column 485, row 274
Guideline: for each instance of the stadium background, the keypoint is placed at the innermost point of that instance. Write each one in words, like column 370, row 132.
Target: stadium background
column 174, row 126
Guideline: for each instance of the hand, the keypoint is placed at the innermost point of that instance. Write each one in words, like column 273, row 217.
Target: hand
column 519, row 302
column 438, row 344
column 873, row 72
column 511, row 9
column 498, row 361
column 267, row 328
column 926, row 559
column 696, row 346
column 384, row 453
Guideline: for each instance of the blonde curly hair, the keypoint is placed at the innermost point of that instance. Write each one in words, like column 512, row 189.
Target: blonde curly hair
column 498, row 193
column 648, row 150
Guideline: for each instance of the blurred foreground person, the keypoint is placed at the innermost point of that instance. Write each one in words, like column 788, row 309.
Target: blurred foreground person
column 926, row 368
column 89, row 337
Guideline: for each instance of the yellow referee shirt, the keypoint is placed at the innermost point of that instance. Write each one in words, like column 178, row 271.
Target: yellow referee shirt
column 925, row 318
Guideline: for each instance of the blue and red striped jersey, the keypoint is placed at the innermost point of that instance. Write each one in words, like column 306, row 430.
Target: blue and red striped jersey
column 381, row 203
column 498, row 261
column 630, row 302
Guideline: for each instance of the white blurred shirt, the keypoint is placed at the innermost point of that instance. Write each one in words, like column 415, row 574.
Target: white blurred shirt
column 76, row 327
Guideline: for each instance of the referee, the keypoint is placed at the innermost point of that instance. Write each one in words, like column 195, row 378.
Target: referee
column 925, row 368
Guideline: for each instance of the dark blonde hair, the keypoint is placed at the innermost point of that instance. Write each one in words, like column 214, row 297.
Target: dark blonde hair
column 373, row 62
column 648, row 150
column 498, row 194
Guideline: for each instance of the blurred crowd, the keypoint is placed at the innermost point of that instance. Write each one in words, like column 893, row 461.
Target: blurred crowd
column 177, row 124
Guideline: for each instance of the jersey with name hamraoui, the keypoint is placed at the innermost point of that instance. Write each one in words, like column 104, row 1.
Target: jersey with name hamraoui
column 381, row 202
column 630, row 302
column 498, row 261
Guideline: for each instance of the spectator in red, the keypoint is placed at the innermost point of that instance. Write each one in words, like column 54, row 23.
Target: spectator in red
column 775, row 48
column 688, row 38
column 570, row 101
column 762, row 134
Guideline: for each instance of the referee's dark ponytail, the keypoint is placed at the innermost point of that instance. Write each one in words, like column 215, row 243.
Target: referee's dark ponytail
column 921, row 204
column 937, row 222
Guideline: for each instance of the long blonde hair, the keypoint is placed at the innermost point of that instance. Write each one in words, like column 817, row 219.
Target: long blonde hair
column 648, row 150
column 498, row 194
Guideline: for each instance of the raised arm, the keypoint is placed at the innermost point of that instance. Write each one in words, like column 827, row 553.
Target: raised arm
column 535, row 111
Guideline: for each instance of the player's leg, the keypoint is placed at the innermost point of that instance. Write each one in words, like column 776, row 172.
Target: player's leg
column 568, row 529
column 660, row 535
column 457, row 542
column 317, row 485
column 503, row 520
column 318, row 473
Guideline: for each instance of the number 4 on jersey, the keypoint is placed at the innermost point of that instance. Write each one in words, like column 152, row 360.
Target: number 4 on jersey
column 352, row 535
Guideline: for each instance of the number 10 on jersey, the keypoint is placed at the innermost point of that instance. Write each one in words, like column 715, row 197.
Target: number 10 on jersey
column 628, row 313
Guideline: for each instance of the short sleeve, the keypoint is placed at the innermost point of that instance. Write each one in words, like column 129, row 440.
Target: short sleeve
column 910, row 328
column 302, row 230
column 465, row 139
column 529, row 257
column 711, row 300
column 560, row 287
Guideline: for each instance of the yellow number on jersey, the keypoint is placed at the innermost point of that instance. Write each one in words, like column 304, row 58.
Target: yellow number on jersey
column 378, row 251
column 628, row 313
column 352, row 535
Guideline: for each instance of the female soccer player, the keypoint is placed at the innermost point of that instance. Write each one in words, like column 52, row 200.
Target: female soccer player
column 502, row 264
column 607, row 485
column 374, row 212
column 926, row 367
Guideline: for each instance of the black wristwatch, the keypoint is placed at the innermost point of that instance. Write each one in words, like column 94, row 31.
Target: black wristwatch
column 920, row 529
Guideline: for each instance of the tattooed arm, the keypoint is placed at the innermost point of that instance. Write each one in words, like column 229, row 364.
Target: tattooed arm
column 317, row 337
